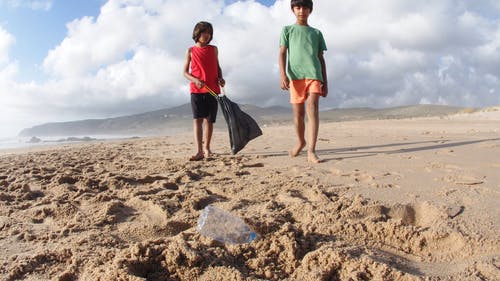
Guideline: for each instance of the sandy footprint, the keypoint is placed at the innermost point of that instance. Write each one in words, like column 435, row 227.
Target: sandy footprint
column 147, row 221
column 363, row 177
column 336, row 172
column 464, row 180
column 423, row 226
column 422, row 214
column 379, row 185
column 314, row 194
column 291, row 197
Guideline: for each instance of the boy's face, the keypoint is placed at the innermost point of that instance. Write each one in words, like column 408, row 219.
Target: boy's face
column 301, row 12
column 204, row 37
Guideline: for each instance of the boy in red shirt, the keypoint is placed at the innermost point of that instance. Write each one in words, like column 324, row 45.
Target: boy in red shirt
column 202, row 68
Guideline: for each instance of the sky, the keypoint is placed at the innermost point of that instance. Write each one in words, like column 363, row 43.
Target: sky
column 63, row 60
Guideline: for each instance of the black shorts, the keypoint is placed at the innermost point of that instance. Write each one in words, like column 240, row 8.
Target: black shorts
column 204, row 106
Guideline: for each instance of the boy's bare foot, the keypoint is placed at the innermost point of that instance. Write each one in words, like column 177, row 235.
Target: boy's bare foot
column 296, row 150
column 197, row 157
column 208, row 153
column 313, row 158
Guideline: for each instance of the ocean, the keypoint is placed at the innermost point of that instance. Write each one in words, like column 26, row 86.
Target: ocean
column 27, row 142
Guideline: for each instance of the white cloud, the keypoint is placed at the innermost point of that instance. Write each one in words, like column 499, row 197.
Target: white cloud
column 6, row 41
column 391, row 52
column 141, row 76
column 129, row 58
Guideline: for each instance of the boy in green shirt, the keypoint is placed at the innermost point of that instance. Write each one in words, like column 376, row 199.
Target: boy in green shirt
column 303, row 73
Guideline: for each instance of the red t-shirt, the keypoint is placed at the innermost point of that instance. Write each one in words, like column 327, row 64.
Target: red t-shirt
column 204, row 66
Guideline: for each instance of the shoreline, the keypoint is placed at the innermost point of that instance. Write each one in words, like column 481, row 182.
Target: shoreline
column 50, row 142
column 265, row 120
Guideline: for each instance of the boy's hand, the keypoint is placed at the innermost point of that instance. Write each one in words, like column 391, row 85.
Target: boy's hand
column 324, row 90
column 198, row 83
column 285, row 83
column 222, row 82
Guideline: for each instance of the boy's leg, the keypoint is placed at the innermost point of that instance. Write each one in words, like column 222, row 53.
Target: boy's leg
column 298, row 121
column 209, row 128
column 312, row 126
column 198, row 113
column 198, row 134
column 212, row 106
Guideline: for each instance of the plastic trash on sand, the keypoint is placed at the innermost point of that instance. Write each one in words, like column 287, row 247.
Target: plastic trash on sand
column 224, row 227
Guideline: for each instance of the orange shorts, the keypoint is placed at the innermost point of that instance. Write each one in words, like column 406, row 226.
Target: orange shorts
column 300, row 89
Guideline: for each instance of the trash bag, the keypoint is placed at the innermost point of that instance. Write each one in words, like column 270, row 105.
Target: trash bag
column 242, row 127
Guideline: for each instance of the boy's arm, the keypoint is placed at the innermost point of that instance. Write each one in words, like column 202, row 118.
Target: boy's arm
column 220, row 78
column 323, row 72
column 285, row 82
column 199, row 84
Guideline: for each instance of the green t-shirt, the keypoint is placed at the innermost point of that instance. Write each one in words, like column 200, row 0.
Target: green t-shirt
column 304, row 43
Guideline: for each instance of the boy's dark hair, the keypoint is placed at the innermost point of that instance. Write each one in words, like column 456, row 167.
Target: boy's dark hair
column 201, row 27
column 302, row 3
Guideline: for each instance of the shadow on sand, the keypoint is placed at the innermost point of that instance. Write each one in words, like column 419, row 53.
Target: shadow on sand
column 390, row 148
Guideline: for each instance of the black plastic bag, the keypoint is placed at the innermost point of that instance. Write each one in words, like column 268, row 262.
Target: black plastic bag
column 242, row 127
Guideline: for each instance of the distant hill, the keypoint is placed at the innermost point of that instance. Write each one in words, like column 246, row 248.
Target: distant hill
column 165, row 121
column 414, row 111
column 158, row 122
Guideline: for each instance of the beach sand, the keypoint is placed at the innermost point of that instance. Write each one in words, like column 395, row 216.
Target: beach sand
column 408, row 199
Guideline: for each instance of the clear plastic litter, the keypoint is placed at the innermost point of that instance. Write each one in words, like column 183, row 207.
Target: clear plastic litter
column 224, row 227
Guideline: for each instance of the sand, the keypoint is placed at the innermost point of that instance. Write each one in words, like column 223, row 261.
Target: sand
column 409, row 199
